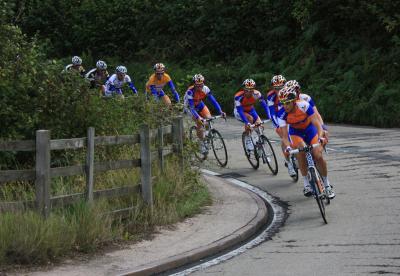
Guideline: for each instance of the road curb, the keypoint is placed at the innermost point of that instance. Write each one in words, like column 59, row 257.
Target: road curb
column 236, row 237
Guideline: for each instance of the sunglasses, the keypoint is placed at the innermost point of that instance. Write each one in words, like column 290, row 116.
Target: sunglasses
column 248, row 90
column 287, row 102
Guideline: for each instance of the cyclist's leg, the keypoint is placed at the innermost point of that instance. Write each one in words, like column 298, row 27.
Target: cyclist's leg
column 248, row 117
column 205, row 113
column 166, row 100
column 312, row 138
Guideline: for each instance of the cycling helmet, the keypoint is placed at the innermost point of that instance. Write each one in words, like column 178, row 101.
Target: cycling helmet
column 278, row 81
column 294, row 84
column 121, row 69
column 249, row 84
column 287, row 94
column 101, row 65
column 76, row 60
column 159, row 68
column 198, row 79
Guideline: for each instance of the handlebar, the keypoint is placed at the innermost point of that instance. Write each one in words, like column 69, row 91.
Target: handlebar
column 306, row 148
column 259, row 124
column 213, row 118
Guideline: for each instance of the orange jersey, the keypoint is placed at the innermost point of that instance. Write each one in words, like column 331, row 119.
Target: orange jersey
column 159, row 84
column 299, row 118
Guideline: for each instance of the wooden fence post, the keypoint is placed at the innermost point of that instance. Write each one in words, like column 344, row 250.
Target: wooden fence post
column 89, row 164
column 145, row 165
column 177, row 133
column 160, row 149
column 42, row 183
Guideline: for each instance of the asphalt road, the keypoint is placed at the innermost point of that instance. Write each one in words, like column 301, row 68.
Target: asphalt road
column 363, row 233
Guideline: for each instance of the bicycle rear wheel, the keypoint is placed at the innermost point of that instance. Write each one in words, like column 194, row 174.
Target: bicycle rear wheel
column 319, row 195
column 269, row 155
column 218, row 147
column 197, row 141
column 251, row 155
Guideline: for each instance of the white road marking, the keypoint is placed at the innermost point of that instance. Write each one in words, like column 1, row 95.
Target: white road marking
column 278, row 217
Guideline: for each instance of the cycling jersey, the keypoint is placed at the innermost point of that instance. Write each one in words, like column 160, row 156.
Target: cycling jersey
column 155, row 86
column 114, row 85
column 299, row 118
column 80, row 69
column 96, row 77
column 274, row 105
column 193, row 100
column 244, row 104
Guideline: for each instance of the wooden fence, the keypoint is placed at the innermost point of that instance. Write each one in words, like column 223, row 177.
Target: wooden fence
column 43, row 173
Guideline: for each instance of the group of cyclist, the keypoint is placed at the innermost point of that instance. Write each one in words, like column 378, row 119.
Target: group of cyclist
column 293, row 114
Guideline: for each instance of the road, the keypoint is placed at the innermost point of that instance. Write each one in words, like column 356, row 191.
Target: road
column 363, row 234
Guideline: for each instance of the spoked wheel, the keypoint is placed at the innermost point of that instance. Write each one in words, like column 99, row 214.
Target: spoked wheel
column 268, row 155
column 295, row 178
column 319, row 195
column 218, row 147
column 196, row 140
column 251, row 155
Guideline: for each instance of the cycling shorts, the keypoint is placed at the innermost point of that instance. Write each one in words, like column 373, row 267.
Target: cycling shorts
column 309, row 135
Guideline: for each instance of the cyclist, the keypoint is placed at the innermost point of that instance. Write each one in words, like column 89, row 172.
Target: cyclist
column 307, row 98
column 244, row 108
column 194, row 105
column 116, row 81
column 304, row 127
column 76, row 66
column 156, row 83
column 98, row 76
column 277, row 83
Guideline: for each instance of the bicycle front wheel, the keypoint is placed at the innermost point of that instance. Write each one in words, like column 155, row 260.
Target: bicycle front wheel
column 269, row 155
column 218, row 147
column 197, row 144
column 319, row 195
column 296, row 169
column 251, row 155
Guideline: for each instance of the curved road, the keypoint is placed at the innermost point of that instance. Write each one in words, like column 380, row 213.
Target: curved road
column 363, row 234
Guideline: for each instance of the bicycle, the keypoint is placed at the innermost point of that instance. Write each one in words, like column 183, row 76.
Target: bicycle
column 262, row 148
column 315, row 179
column 212, row 140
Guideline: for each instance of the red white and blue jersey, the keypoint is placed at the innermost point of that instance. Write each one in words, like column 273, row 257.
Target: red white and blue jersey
column 244, row 104
column 193, row 100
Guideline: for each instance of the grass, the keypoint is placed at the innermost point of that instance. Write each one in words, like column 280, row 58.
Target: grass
column 26, row 238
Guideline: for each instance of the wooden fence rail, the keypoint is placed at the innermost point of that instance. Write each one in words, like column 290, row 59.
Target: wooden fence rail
column 43, row 173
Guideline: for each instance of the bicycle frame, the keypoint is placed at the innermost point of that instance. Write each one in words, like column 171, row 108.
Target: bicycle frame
column 311, row 167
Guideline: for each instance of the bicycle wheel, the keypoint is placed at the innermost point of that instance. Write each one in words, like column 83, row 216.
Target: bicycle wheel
column 218, row 147
column 268, row 155
column 196, row 140
column 296, row 169
column 326, row 198
column 316, row 182
column 252, row 155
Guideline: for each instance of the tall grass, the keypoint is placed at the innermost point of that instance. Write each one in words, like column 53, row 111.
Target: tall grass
column 27, row 238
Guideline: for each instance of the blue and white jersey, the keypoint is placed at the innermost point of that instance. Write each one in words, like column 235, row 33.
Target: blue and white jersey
column 114, row 85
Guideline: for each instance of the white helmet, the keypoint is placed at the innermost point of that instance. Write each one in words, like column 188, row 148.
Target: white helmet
column 278, row 81
column 294, row 84
column 249, row 84
column 287, row 94
column 101, row 65
column 159, row 68
column 121, row 69
column 76, row 60
column 198, row 79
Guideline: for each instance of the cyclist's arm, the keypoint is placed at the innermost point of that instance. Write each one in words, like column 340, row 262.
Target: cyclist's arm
column 214, row 102
column 172, row 87
column 132, row 87
column 281, row 120
column 271, row 109
column 264, row 105
column 315, row 121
